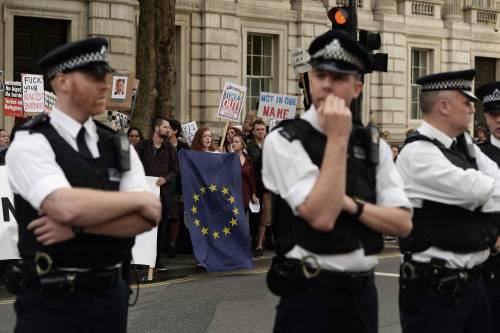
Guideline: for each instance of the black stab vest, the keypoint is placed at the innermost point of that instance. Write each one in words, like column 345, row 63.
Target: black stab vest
column 493, row 153
column 84, row 250
column 348, row 234
column 448, row 227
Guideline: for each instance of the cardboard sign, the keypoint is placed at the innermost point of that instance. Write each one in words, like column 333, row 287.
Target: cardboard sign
column 120, row 93
column 274, row 106
column 13, row 99
column 273, row 123
column 231, row 102
column 8, row 224
column 300, row 61
column 50, row 101
column 33, row 93
column 189, row 129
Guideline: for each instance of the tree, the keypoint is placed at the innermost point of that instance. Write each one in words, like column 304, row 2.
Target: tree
column 155, row 63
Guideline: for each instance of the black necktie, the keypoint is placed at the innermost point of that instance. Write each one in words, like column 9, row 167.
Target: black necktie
column 82, row 145
column 454, row 146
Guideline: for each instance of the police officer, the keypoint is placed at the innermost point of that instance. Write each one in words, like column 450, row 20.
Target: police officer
column 72, row 180
column 453, row 188
column 336, row 190
column 489, row 94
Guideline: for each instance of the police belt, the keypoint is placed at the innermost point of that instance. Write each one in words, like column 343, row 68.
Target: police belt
column 333, row 279
column 76, row 279
column 434, row 273
column 492, row 267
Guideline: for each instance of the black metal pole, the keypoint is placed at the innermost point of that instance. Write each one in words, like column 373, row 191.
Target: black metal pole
column 356, row 104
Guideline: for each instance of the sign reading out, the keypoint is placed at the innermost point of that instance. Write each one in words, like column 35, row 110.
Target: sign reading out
column 231, row 102
column 189, row 130
column 300, row 61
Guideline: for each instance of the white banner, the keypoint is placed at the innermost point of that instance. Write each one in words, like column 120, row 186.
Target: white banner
column 144, row 250
column 300, row 61
column 189, row 130
column 8, row 225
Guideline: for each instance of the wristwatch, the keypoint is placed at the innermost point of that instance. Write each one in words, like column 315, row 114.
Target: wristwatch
column 360, row 203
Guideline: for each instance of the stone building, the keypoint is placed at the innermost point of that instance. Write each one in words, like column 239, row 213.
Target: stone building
column 250, row 42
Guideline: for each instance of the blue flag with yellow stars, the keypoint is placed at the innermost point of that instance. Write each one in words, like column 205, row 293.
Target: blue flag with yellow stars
column 213, row 204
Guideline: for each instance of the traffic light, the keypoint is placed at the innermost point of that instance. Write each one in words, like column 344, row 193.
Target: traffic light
column 372, row 42
column 342, row 18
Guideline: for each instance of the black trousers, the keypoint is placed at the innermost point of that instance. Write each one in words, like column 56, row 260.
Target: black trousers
column 254, row 221
column 471, row 315
column 78, row 312
column 493, row 291
column 318, row 309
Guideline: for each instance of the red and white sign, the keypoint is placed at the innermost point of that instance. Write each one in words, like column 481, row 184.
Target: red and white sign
column 274, row 106
column 33, row 93
column 231, row 102
column 13, row 99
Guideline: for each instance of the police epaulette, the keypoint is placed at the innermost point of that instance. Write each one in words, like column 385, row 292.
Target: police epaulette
column 34, row 122
column 286, row 129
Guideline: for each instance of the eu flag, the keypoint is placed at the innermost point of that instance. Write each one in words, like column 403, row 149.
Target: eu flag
column 213, row 204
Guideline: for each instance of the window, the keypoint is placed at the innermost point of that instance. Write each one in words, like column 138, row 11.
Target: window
column 419, row 67
column 260, row 67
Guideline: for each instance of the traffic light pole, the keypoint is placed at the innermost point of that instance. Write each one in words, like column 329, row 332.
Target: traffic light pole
column 356, row 104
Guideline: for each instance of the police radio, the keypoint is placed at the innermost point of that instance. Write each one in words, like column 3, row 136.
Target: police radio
column 123, row 149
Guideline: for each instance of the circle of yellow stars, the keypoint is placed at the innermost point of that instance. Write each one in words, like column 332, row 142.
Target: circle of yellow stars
column 232, row 223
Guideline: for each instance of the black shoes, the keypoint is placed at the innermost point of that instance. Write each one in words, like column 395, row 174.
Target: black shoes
column 160, row 267
column 258, row 252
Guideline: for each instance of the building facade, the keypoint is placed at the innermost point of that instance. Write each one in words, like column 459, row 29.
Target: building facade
column 249, row 42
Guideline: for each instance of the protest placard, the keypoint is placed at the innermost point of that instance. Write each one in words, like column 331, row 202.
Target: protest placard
column 121, row 87
column 13, row 99
column 33, row 93
column 189, row 129
column 300, row 61
column 273, row 123
column 50, row 101
column 8, row 224
column 231, row 102
column 274, row 106
column 144, row 250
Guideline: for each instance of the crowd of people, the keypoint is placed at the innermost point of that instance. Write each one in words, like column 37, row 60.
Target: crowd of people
column 159, row 157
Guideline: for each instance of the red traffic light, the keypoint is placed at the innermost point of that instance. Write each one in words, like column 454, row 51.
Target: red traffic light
column 338, row 15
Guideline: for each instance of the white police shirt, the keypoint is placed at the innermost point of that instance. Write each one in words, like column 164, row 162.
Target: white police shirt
column 288, row 171
column 32, row 168
column 429, row 175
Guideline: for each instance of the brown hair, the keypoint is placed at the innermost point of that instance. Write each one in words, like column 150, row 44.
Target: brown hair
column 197, row 140
column 239, row 135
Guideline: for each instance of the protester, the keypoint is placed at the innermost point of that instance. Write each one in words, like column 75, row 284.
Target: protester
column 4, row 144
column 247, row 127
column 254, row 149
column 160, row 160
column 247, row 172
column 177, row 212
column 482, row 135
column 134, row 135
column 202, row 140
column 395, row 152
column 231, row 131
